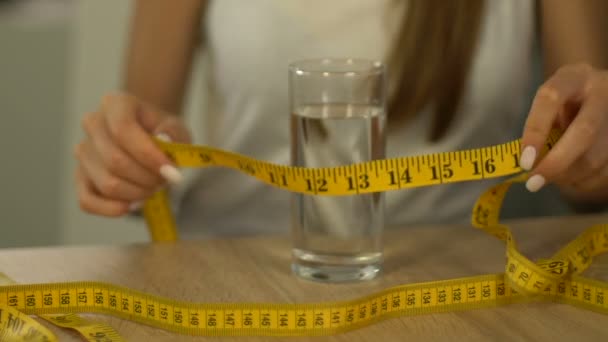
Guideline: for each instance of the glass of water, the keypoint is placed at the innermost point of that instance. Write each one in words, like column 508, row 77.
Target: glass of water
column 337, row 118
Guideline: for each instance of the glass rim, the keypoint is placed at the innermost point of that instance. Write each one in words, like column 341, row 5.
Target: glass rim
column 336, row 66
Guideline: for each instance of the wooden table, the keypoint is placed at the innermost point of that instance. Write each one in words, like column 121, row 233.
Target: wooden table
column 257, row 269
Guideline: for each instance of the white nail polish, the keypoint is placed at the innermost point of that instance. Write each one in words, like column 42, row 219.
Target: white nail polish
column 171, row 174
column 527, row 158
column 164, row 137
column 535, row 182
column 135, row 206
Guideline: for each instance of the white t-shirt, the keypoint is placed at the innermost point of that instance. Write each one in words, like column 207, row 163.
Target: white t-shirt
column 248, row 47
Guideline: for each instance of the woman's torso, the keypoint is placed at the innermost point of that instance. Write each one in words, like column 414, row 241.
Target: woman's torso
column 247, row 49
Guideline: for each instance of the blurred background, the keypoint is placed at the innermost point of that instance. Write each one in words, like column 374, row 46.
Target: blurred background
column 58, row 57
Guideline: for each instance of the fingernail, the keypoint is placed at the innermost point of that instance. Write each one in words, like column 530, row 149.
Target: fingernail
column 535, row 182
column 527, row 158
column 171, row 174
column 164, row 137
column 135, row 206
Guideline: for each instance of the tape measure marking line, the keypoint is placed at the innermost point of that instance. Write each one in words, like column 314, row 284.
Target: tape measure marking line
column 303, row 311
column 536, row 281
column 482, row 162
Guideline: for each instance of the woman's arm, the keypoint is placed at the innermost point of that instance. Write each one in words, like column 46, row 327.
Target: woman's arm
column 163, row 40
column 574, row 31
column 574, row 98
column 118, row 163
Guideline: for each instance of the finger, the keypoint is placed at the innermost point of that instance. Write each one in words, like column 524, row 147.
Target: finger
column 596, row 185
column 105, row 183
column 92, row 203
column 130, row 135
column 565, row 85
column 175, row 129
column 114, row 159
column 589, row 164
column 578, row 138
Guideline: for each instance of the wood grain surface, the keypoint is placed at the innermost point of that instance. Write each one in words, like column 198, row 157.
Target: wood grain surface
column 258, row 270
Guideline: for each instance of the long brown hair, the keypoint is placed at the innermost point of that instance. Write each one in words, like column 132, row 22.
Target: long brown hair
column 431, row 57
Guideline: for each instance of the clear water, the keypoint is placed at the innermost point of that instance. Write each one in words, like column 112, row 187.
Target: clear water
column 337, row 238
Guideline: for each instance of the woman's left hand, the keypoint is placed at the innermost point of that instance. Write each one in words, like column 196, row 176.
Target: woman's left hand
column 575, row 100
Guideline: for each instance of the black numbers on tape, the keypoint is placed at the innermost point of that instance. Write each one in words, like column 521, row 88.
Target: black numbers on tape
column 587, row 295
column 99, row 298
column 47, row 299
column 265, row 320
column 350, row 315
column 229, row 319
column 402, row 178
column 82, row 298
column 151, row 310
column 319, row 319
column 283, row 320
column 426, row 298
column 500, row 289
column 248, row 319
column 137, row 307
column 112, row 301
column 362, row 311
column 211, row 320
column 556, row 267
column 488, row 167
column 13, row 300
column 574, row 290
column 456, row 295
column 384, row 304
column 486, row 291
column 411, row 299
column 374, row 309
column 65, row 298
column 441, row 296
column 524, row 276
column 471, row 292
column 362, row 184
column 396, row 301
column 301, row 320
column 282, row 180
column 194, row 320
column 178, row 317
column 335, row 317
column 321, row 185
column 599, row 297
column 125, row 304
column 14, row 323
column 447, row 171
column 164, row 313
column 30, row 301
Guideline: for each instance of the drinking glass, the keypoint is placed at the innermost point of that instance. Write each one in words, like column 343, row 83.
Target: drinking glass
column 337, row 118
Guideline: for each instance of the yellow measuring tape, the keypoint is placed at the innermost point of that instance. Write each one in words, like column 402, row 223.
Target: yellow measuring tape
column 556, row 279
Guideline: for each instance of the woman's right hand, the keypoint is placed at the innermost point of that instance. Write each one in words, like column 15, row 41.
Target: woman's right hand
column 119, row 165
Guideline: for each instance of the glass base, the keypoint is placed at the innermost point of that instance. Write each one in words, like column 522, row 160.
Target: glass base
column 336, row 269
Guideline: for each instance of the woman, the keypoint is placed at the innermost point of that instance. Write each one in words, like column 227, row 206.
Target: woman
column 460, row 75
